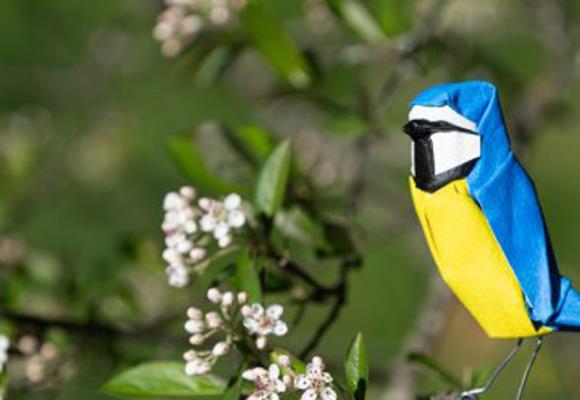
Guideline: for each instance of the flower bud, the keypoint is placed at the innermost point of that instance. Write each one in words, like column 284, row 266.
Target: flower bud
column 190, row 227
column 197, row 254
column 193, row 326
column 187, row 192
column 172, row 201
column 284, row 360
column 203, row 368
column 261, row 343
column 246, row 311
column 194, row 313
column 220, row 349
column 196, row 339
column 242, row 297
column 171, row 256
column 224, row 241
column 190, row 355
column 184, row 246
column 250, row 374
column 287, row 379
column 191, row 367
column 213, row 320
column 205, row 203
column 214, row 295
column 228, row 299
column 317, row 362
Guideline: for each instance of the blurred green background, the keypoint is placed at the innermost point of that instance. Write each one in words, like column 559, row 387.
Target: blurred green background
column 87, row 103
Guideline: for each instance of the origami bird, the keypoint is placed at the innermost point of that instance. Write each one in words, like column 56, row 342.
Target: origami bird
column 482, row 219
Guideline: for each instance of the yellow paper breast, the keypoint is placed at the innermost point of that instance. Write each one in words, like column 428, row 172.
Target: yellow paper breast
column 471, row 261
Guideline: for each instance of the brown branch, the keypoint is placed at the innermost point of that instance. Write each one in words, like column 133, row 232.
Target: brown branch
column 38, row 325
column 341, row 291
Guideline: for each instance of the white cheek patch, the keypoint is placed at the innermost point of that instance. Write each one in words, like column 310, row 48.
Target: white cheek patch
column 452, row 149
column 444, row 113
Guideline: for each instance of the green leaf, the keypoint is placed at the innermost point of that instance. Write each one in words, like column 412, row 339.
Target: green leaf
column 357, row 18
column 275, row 45
column 250, row 141
column 298, row 225
column 395, row 16
column 271, row 186
column 434, row 366
column 189, row 158
column 234, row 390
column 3, row 382
column 247, row 278
column 162, row 379
column 212, row 268
column 356, row 368
column 216, row 64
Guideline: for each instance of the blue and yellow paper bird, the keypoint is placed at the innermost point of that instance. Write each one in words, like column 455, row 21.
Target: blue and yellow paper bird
column 481, row 216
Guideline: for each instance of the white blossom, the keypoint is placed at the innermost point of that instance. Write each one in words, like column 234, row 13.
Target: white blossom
column 265, row 322
column 268, row 384
column 188, row 225
column 220, row 218
column 4, row 345
column 315, row 383
column 182, row 20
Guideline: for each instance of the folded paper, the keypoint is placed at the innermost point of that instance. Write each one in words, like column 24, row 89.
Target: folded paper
column 481, row 215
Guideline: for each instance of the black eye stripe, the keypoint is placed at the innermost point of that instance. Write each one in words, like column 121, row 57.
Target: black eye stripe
column 421, row 128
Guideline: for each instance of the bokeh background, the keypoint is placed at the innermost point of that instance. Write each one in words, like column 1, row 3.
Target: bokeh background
column 88, row 102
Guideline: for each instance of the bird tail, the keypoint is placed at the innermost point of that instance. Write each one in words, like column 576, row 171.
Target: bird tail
column 568, row 314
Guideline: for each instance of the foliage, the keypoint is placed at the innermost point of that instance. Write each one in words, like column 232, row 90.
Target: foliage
column 296, row 107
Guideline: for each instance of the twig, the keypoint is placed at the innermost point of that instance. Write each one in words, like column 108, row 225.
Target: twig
column 341, row 291
column 38, row 325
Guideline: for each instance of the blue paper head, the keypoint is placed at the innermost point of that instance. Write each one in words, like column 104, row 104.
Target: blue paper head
column 477, row 101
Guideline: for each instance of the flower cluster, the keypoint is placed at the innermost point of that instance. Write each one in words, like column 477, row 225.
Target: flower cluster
column 264, row 322
column 183, row 20
column 4, row 345
column 203, row 327
column 190, row 229
column 314, row 384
